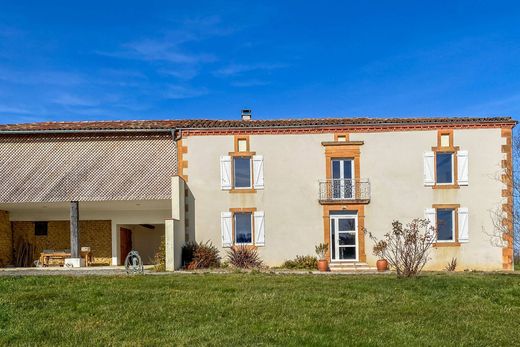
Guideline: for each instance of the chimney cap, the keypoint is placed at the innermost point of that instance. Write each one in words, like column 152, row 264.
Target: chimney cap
column 246, row 114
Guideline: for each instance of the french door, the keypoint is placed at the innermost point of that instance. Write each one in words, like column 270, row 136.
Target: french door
column 343, row 237
column 342, row 178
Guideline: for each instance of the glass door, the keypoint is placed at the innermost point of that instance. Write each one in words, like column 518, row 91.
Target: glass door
column 342, row 178
column 343, row 229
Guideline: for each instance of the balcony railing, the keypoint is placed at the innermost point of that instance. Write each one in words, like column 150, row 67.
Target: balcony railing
column 344, row 191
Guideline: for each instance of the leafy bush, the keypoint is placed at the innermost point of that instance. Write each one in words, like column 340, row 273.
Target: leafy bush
column 406, row 248
column 244, row 257
column 188, row 252
column 205, row 256
column 304, row 262
column 159, row 260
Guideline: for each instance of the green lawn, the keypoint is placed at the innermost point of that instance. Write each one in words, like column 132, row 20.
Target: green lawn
column 261, row 309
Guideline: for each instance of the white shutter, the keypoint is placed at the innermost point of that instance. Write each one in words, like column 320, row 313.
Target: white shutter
column 226, row 227
column 259, row 228
column 463, row 224
column 431, row 215
column 225, row 172
column 258, row 171
column 429, row 173
column 462, row 168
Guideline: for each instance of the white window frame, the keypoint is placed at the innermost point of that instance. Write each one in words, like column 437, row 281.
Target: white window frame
column 235, row 229
column 335, row 242
column 342, row 195
column 452, row 168
column 453, row 226
column 250, row 171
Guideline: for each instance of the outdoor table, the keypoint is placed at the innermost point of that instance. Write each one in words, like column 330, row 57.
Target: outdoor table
column 46, row 257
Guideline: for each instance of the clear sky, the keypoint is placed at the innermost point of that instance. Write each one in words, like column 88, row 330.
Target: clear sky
column 61, row 60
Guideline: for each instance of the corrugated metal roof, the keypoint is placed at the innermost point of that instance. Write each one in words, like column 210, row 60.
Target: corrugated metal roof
column 86, row 168
column 277, row 123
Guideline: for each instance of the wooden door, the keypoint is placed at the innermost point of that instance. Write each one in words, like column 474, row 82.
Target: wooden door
column 125, row 241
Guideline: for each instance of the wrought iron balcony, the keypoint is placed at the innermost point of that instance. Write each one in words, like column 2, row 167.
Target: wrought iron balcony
column 342, row 191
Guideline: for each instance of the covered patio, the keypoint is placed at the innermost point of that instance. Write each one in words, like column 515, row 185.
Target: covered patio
column 47, row 227
column 90, row 196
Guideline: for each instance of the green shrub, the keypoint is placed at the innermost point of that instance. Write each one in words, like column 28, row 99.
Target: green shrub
column 303, row 262
column 205, row 256
column 188, row 252
column 244, row 257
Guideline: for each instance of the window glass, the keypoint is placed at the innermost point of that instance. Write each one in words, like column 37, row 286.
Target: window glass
column 242, row 172
column 444, row 167
column 445, row 224
column 243, row 232
column 40, row 228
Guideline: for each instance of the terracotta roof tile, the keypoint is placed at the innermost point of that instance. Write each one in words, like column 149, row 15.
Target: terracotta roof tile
column 233, row 124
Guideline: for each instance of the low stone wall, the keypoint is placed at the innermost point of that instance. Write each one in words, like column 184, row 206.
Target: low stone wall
column 6, row 239
column 94, row 234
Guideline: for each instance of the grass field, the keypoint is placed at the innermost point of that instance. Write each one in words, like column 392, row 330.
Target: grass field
column 261, row 309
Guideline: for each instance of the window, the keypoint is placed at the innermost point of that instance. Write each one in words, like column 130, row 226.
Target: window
column 450, row 223
column 41, row 228
column 444, row 167
column 445, row 224
column 242, row 172
column 243, row 228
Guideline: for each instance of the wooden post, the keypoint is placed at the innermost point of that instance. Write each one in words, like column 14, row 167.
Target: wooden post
column 74, row 229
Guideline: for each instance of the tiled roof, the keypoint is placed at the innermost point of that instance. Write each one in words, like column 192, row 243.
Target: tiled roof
column 234, row 124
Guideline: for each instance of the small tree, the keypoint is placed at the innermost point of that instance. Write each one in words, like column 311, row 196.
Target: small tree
column 406, row 248
column 159, row 259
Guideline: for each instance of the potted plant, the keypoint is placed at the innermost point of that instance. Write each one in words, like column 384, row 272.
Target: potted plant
column 378, row 251
column 321, row 252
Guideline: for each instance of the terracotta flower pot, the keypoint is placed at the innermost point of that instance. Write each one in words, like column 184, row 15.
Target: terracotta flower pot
column 323, row 265
column 382, row 265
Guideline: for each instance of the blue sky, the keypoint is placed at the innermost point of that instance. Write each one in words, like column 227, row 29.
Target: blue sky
column 62, row 60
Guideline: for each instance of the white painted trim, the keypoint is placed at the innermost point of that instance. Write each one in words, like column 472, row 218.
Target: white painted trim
column 336, row 243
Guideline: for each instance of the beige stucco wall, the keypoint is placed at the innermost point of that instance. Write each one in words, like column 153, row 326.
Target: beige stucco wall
column 393, row 161
column 292, row 166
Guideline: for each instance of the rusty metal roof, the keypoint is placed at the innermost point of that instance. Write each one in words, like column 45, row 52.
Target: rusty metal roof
column 234, row 124
column 86, row 168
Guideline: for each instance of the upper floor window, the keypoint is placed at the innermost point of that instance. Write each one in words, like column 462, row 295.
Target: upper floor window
column 241, row 170
column 446, row 166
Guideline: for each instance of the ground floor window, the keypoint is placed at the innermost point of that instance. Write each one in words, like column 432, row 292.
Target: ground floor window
column 243, row 228
column 445, row 224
